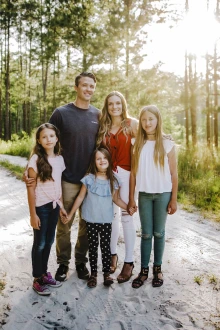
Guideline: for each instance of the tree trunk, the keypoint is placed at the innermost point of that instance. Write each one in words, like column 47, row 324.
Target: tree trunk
column 208, row 113
column 7, row 82
column 192, row 84
column 215, row 64
column 128, row 5
column 186, row 86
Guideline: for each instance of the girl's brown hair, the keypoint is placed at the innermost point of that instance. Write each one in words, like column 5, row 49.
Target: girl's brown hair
column 109, row 173
column 43, row 166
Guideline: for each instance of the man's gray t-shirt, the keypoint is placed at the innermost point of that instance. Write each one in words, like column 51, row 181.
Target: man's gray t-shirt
column 78, row 132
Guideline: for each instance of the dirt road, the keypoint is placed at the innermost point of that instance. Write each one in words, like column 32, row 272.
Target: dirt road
column 192, row 253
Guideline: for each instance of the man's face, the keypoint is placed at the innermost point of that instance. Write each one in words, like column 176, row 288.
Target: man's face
column 85, row 89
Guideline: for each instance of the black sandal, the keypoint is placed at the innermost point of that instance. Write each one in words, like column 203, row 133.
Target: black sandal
column 108, row 280
column 157, row 282
column 138, row 282
column 92, row 281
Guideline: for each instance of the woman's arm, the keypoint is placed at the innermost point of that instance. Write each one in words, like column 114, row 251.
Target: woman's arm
column 134, row 127
column 172, row 206
column 132, row 184
column 76, row 204
column 34, row 219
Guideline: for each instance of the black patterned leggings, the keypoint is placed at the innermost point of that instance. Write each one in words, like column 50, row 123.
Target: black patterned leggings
column 94, row 231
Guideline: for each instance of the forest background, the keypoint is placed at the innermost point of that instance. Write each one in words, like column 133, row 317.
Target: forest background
column 44, row 44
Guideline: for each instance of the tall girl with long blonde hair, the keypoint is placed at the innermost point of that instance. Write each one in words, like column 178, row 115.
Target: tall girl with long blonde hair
column 116, row 131
column 154, row 174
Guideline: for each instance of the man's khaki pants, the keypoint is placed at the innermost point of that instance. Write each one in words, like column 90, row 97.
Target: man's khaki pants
column 63, row 235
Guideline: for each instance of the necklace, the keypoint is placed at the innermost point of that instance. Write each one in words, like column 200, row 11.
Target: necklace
column 102, row 173
column 152, row 134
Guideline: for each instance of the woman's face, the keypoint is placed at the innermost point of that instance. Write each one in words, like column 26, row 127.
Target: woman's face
column 114, row 106
column 149, row 122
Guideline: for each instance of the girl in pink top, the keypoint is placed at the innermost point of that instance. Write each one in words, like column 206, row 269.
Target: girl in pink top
column 44, row 198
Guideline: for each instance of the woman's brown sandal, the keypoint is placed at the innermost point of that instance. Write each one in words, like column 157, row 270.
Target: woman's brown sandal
column 157, row 281
column 92, row 281
column 123, row 276
column 114, row 263
column 108, row 280
column 139, row 281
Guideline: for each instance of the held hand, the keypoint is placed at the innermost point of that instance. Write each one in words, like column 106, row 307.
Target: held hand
column 131, row 205
column 172, row 207
column 35, row 222
column 132, row 210
column 30, row 182
column 63, row 213
column 64, row 216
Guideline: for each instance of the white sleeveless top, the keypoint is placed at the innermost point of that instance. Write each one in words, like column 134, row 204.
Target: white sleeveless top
column 151, row 178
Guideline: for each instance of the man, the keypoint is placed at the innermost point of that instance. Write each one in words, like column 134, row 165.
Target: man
column 78, row 123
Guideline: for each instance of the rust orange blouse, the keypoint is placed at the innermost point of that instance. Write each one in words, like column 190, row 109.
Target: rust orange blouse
column 119, row 146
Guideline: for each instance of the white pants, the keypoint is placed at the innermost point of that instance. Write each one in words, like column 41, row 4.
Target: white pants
column 127, row 220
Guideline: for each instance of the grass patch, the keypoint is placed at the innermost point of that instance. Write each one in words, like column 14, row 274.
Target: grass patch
column 14, row 169
column 2, row 285
column 198, row 280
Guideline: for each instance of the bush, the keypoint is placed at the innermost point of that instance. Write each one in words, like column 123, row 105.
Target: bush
column 199, row 179
column 18, row 146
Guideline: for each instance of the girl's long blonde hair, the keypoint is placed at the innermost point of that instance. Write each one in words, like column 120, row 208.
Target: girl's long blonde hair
column 141, row 139
column 106, row 122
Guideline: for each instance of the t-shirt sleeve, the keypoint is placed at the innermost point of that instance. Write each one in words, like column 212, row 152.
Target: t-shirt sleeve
column 63, row 167
column 55, row 118
column 85, row 180
column 32, row 163
column 168, row 145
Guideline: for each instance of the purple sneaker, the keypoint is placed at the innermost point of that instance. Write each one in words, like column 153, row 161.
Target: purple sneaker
column 41, row 288
column 49, row 280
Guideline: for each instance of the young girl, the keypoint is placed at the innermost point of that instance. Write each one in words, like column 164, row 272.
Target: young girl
column 116, row 131
column 100, row 187
column 154, row 172
column 44, row 199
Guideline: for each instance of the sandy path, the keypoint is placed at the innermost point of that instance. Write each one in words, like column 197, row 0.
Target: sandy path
column 192, row 249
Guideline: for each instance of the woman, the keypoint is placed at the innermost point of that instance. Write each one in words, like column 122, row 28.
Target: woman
column 115, row 133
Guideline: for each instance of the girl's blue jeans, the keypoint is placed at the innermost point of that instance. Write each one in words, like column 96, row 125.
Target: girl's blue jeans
column 153, row 215
column 44, row 238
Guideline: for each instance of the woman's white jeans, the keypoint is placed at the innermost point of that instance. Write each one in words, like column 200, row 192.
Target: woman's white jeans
column 127, row 220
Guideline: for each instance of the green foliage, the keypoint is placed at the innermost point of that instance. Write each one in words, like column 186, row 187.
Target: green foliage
column 199, row 177
column 198, row 280
column 18, row 146
column 14, row 169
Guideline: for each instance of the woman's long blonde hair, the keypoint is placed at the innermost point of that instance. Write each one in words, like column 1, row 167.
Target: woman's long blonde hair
column 106, row 122
column 141, row 139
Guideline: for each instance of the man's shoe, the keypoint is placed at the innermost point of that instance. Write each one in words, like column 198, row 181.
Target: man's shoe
column 82, row 272
column 61, row 274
